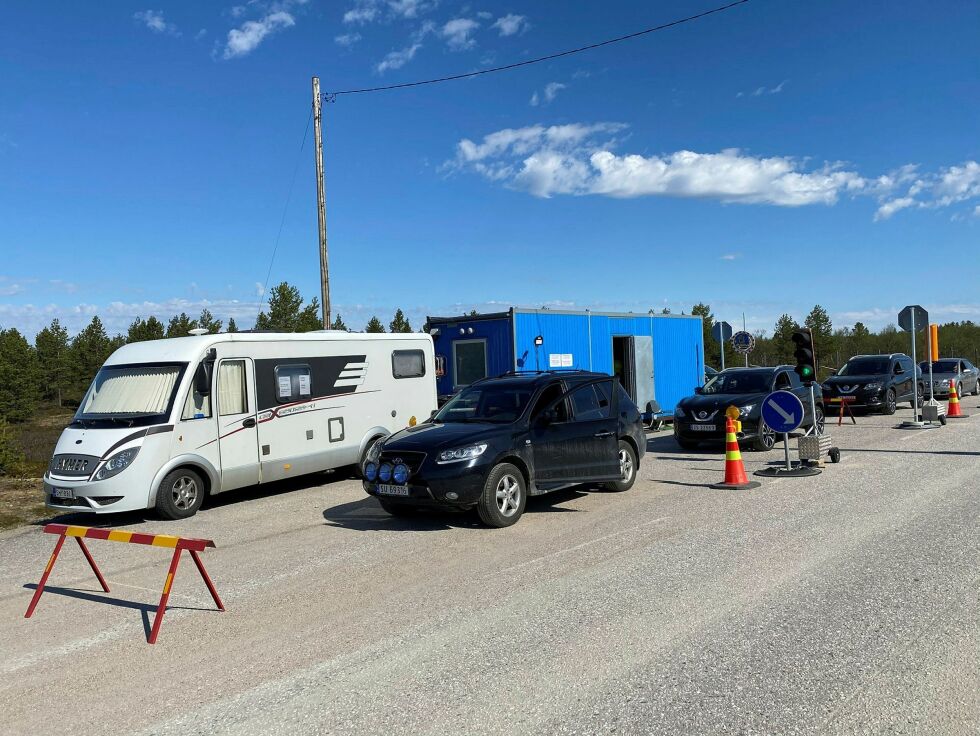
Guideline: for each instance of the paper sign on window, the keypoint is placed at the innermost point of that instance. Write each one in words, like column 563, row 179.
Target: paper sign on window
column 285, row 387
column 304, row 385
column 554, row 360
column 566, row 360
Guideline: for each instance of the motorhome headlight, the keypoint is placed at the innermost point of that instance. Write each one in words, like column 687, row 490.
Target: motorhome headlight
column 117, row 463
column 371, row 471
column 462, row 453
column 384, row 472
column 400, row 473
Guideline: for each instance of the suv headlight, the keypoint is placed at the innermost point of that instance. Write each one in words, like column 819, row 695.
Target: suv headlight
column 743, row 411
column 679, row 412
column 117, row 463
column 874, row 386
column 462, row 453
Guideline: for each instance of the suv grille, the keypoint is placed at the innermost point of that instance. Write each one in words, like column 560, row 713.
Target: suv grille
column 413, row 460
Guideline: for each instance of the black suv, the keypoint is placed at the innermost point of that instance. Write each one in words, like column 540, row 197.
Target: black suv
column 876, row 382
column 701, row 417
column 502, row 439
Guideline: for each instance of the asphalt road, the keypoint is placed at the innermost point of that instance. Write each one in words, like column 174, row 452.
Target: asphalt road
column 844, row 603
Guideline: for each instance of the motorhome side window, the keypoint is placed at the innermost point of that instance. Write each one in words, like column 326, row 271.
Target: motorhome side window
column 293, row 382
column 231, row 388
column 408, row 363
column 196, row 406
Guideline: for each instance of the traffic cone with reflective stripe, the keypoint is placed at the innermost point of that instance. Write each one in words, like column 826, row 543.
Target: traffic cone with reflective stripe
column 735, row 477
column 954, row 411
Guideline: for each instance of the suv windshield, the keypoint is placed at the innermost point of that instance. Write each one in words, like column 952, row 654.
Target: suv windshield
column 864, row 367
column 130, row 394
column 500, row 404
column 941, row 366
column 739, row 382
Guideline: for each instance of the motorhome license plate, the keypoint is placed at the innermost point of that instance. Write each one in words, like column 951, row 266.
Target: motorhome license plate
column 703, row 427
column 62, row 493
column 390, row 490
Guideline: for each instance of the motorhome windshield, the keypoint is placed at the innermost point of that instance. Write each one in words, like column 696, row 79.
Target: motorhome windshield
column 130, row 395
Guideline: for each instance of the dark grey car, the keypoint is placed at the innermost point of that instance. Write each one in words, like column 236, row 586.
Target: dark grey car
column 947, row 370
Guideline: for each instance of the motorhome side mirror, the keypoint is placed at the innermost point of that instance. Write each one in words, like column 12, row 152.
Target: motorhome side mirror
column 202, row 379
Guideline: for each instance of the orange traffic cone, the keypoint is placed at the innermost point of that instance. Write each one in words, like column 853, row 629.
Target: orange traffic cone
column 954, row 411
column 734, row 469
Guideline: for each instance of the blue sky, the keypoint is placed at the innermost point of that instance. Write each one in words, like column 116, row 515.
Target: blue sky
column 147, row 152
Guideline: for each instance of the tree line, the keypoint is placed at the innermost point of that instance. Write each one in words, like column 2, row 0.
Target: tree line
column 57, row 368
column 835, row 345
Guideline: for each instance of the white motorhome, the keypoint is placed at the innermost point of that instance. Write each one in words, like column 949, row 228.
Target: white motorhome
column 167, row 422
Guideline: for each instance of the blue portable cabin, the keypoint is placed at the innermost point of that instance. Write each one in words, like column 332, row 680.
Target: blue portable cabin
column 656, row 356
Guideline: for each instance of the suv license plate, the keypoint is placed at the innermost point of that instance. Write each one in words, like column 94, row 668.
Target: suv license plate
column 703, row 427
column 390, row 490
column 62, row 493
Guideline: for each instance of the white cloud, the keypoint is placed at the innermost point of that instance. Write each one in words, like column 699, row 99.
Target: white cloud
column 730, row 257
column 397, row 59
column 409, row 8
column 760, row 91
column 246, row 38
column 458, row 33
column 154, row 20
column 945, row 188
column 368, row 11
column 568, row 160
column 259, row 289
column 510, row 24
column 10, row 289
column 347, row 39
column 361, row 14
column 551, row 91
column 484, row 15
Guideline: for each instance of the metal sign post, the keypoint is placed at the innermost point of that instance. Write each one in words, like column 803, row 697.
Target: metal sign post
column 783, row 412
column 911, row 319
column 722, row 332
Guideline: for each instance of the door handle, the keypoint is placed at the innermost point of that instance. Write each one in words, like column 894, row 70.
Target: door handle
column 249, row 423
column 602, row 435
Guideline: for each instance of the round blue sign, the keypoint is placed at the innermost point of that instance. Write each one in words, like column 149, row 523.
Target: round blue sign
column 782, row 411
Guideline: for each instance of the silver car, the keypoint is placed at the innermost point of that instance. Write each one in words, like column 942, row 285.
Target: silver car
column 947, row 370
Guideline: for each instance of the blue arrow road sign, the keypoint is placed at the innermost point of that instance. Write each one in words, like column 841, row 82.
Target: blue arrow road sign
column 782, row 411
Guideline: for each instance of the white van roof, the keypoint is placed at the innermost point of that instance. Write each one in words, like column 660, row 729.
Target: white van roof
column 190, row 348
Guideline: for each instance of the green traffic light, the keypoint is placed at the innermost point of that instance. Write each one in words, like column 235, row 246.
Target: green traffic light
column 807, row 371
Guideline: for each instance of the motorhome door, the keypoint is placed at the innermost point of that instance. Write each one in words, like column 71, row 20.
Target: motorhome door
column 237, row 434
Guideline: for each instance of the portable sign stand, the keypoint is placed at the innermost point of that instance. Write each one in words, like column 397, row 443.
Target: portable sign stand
column 722, row 332
column 912, row 319
column 783, row 412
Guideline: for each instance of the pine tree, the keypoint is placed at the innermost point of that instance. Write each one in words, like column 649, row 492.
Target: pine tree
column 399, row 323
column 782, row 339
column 180, row 325
column 374, row 325
column 20, row 377
column 712, row 350
column 148, row 329
column 232, row 327
column 208, row 322
column 338, row 324
column 287, row 313
column 51, row 345
column 89, row 350
column 822, row 330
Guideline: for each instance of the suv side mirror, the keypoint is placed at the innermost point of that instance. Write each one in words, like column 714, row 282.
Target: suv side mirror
column 699, row 389
column 547, row 417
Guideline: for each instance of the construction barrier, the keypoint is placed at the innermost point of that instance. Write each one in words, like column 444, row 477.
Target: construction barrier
column 845, row 405
column 177, row 544
column 954, row 411
column 735, row 477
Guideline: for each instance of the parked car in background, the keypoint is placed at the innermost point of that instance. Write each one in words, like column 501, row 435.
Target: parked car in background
column 701, row 417
column 502, row 439
column 877, row 382
column 947, row 370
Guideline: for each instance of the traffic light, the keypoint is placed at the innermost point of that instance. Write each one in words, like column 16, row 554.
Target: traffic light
column 806, row 360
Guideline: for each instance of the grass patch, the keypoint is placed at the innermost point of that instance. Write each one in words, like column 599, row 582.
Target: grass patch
column 21, row 502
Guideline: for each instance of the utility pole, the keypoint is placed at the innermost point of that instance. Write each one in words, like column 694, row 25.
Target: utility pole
column 321, row 212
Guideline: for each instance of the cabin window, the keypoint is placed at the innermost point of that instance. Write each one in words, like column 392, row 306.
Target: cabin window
column 293, row 383
column 231, row 388
column 469, row 361
column 196, row 406
column 408, row 363
column 440, row 366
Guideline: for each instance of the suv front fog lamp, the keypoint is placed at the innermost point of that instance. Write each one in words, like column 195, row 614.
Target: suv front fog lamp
column 371, row 471
column 400, row 473
column 384, row 472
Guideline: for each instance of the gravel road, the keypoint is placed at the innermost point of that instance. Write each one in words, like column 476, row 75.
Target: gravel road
column 844, row 603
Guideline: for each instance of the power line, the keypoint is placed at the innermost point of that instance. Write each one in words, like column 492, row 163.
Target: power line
column 282, row 221
column 328, row 96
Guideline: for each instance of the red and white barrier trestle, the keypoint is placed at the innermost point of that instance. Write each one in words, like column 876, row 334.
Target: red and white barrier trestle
column 178, row 544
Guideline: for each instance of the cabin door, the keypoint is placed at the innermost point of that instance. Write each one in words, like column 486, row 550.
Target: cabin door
column 237, row 433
